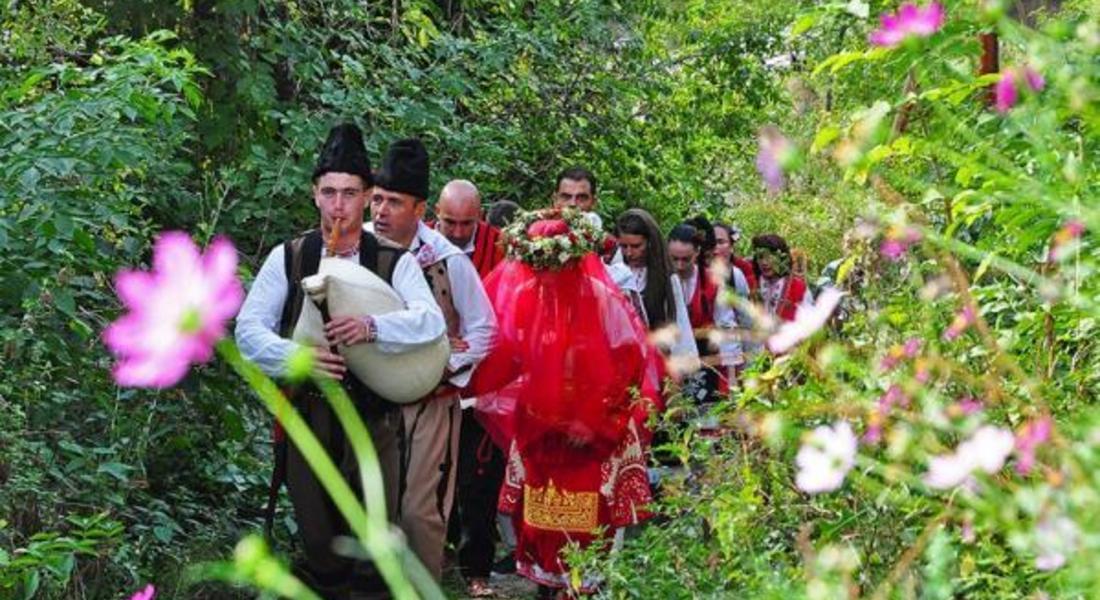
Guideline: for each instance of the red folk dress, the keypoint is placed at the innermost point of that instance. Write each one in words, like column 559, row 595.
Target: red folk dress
column 566, row 390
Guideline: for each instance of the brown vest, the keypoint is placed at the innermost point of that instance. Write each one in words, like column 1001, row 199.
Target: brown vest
column 436, row 274
column 302, row 258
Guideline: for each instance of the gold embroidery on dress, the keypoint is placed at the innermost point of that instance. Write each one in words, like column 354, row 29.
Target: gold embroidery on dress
column 560, row 510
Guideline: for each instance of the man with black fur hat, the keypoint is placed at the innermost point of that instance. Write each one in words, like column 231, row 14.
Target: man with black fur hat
column 341, row 184
column 429, row 442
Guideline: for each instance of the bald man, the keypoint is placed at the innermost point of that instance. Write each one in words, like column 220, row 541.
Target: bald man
column 459, row 219
column 480, row 462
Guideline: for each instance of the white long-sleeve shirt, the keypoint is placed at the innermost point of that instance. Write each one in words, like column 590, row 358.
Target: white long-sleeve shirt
column 257, row 331
column 477, row 323
column 633, row 281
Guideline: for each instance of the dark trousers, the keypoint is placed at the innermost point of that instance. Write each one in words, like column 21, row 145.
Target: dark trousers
column 480, row 473
column 319, row 522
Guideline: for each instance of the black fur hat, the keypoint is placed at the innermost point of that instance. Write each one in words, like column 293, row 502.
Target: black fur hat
column 405, row 169
column 344, row 153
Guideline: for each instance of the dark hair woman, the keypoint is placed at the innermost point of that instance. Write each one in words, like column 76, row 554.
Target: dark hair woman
column 643, row 249
column 725, row 238
column 687, row 248
column 780, row 290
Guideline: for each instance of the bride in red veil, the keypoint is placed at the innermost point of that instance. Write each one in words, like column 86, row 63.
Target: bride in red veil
column 566, row 391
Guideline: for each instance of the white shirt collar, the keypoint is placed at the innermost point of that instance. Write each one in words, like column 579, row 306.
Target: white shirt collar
column 470, row 248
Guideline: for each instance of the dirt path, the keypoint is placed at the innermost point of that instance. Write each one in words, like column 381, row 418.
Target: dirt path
column 507, row 587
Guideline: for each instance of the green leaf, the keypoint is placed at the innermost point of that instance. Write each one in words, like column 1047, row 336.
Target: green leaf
column 845, row 268
column 825, row 136
column 31, row 581
column 163, row 533
column 115, row 469
column 63, row 300
column 803, row 24
column 840, row 60
column 984, row 266
column 29, row 179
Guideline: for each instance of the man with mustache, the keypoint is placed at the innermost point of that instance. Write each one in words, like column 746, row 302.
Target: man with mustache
column 429, row 433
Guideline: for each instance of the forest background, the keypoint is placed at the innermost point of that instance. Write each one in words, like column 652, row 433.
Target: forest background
column 119, row 119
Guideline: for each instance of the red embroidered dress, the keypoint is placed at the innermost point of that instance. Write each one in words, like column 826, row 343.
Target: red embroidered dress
column 782, row 297
column 488, row 252
column 702, row 302
column 746, row 269
column 557, row 392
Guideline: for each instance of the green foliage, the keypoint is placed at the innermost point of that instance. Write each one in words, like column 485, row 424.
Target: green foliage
column 905, row 139
column 120, row 119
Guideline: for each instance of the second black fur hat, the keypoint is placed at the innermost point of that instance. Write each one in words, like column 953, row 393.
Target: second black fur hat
column 405, row 169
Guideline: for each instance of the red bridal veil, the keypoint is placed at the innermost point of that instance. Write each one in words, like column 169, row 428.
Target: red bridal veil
column 570, row 358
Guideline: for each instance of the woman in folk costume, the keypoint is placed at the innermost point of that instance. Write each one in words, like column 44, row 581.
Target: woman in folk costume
column 646, row 276
column 566, row 389
column 742, row 275
column 781, row 291
column 712, row 316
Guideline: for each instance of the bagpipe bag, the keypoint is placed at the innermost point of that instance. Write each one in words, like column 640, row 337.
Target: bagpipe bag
column 352, row 290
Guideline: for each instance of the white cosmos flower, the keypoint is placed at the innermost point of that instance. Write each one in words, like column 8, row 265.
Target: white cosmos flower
column 825, row 458
column 806, row 322
column 986, row 450
column 1055, row 537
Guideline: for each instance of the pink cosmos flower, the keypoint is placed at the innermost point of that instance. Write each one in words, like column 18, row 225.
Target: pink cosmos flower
column 967, row 532
column 806, row 322
column 892, row 250
column 1007, row 89
column 910, row 21
column 894, row 396
column 176, row 311
column 897, row 353
column 963, row 320
column 891, row 360
column 774, row 155
column 912, row 347
column 146, row 594
column 921, row 371
column 873, row 434
column 1061, row 245
column 1028, row 439
column 897, row 242
column 986, row 450
column 825, row 458
column 966, row 407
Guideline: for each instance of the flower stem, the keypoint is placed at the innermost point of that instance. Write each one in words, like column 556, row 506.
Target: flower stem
column 370, row 527
column 375, row 536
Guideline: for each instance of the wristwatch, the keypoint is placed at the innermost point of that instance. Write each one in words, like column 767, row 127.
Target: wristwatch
column 372, row 328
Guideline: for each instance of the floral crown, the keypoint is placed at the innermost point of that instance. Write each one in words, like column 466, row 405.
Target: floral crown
column 550, row 238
